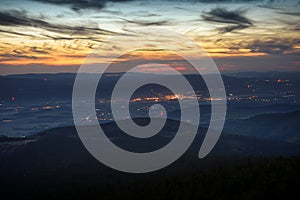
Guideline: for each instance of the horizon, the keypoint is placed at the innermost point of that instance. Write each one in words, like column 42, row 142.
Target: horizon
column 223, row 73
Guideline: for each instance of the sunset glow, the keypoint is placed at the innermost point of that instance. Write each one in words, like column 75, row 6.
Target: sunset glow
column 38, row 34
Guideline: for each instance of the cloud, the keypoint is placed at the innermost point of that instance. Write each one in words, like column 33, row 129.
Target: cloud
column 235, row 19
column 78, row 5
column 143, row 13
column 148, row 23
column 38, row 50
column 9, row 56
column 94, row 39
column 225, row 1
column 15, row 18
column 231, row 28
column 26, row 51
column 272, row 46
column 15, row 33
column 280, row 5
column 296, row 14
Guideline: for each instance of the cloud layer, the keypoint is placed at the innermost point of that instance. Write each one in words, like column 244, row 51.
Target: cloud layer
column 77, row 5
column 234, row 20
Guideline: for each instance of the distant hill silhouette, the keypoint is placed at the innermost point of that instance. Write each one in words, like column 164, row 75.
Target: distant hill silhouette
column 61, row 149
column 277, row 126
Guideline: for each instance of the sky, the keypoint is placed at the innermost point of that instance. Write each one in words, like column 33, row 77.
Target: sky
column 52, row 36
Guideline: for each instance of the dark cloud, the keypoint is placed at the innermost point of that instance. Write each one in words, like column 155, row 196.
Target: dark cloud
column 231, row 28
column 278, row 5
column 38, row 50
column 296, row 27
column 143, row 13
column 20, row 18
column 235, row 19
column 8, row 56
column 270, row 6
column 15, row 33
column 77, row 5
column 148, row 23
column 296, row 14
column 225, row 1
column 273, row 46
column 94, row 39
column 23, row 53
column 270, row 45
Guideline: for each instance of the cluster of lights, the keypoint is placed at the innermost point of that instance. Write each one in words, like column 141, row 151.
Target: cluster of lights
column 165, row 98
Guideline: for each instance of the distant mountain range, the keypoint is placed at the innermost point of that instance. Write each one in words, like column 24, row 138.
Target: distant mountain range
column 277, row 126
column 268, row 74
column 36, row 87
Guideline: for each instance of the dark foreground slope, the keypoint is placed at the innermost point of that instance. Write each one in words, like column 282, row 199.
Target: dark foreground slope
column 272, row 178
column 54, row 164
